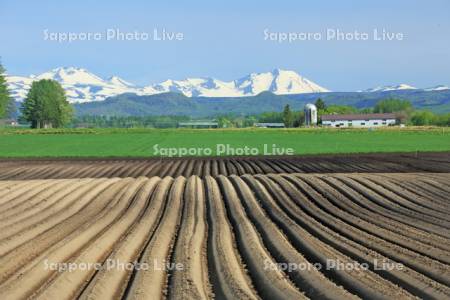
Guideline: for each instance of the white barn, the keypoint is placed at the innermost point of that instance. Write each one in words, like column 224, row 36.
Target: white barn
column 359, row 120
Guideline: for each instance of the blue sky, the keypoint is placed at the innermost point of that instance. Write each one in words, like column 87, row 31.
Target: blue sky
column 225, row 40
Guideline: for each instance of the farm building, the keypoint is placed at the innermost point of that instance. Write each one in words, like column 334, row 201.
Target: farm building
column 8, row 122
column 310, row 114
column 199, row 124
column 269, row 125
column 359, row 120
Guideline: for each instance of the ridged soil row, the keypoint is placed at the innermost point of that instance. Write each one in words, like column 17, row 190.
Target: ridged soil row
column 125, row 171
column 182, row 169
column 437, row 188
column 164, row 169
column 368, row 201
column 269, row 282
column 327, row 214
column 68, row 284
column 36, row 279
column 137, row 170
column 261, row 166
column 222, row 169
column 412, row 196
column 395, row 211
column 435, row 184
column 227, row 273
column 319, row 244
column 356, row 221
column 412, row 183
column 96, row 201
column 153, row 169
column 309, row 279
column 287, row 197
column 152, row 283
column 46, row 202
column 173, row 168
column 189, row 169
column 23, row 232
column 192, row 282
column 91, row 171
column 236, row 167
column 110, row 283
column 9, row 173
column 231, row 168
column 435, row 217
column 23, row 192
column 437, row 181
column 44, row 170
column 349, row 205
column 229, row 233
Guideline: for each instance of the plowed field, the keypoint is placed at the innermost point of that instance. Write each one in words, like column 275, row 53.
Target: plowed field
column 278, row 228
column 100, row 168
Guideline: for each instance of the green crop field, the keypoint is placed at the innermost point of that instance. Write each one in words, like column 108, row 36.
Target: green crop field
column 141, row 142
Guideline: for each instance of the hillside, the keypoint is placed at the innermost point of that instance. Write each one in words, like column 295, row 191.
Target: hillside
column 178, row 104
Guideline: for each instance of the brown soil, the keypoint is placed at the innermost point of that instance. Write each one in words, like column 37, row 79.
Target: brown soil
column 19, row 169
column 227, row 228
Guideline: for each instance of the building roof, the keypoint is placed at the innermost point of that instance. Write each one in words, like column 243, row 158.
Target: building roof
column 353, row 117
column 7, row 121
column 269, row 124
column 200, row 123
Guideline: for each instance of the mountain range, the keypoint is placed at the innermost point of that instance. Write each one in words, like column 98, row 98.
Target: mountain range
column 205, row 107
column 83, row 86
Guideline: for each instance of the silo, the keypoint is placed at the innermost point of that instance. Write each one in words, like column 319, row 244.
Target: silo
column 310, row 114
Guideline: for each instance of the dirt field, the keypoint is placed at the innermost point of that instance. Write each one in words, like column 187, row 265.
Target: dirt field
column 290, row 235
column 101, row 168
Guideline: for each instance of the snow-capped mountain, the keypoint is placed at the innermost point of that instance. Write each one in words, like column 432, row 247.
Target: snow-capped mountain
column 79, row 84
column 277, row 82
column 402, row 86
column 437, row 88
column 199, row 87
column 83, row 86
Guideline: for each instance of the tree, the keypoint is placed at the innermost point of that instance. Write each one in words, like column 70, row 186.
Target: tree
column 6, row 101
column 421, row 118
column 320, row 104
column 46, row 105
column 225, row 122
column 393, row 106
column 402, row 108
column 299, row 119
column 288, row 116
column 341, row 109
column 366, row 110
column 271, row 117
column 443, row 120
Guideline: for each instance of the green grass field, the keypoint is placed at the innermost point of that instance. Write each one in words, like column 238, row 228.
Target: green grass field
column 140, row 142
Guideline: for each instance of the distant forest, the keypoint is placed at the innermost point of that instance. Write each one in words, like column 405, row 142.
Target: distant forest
column 405, row 111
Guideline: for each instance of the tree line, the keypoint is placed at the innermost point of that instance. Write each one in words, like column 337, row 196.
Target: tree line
column 89, row 121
